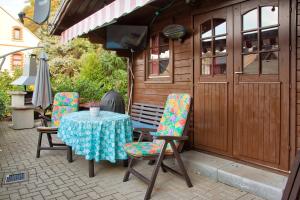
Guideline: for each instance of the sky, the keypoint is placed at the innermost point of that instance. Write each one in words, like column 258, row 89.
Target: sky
column 13, row 6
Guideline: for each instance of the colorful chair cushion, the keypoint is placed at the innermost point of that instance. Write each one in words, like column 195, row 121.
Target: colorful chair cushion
column 172, row 123
column 64, row 103
column 143, row 149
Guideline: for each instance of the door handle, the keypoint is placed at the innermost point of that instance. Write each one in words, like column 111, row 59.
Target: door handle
column 238, row 72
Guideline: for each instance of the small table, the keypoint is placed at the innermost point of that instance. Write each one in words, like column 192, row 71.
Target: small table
column 96, row 138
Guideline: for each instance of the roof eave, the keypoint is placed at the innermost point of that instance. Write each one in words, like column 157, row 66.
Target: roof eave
column 58, row 16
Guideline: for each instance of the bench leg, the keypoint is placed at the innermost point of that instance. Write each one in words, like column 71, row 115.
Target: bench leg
column 91, row 168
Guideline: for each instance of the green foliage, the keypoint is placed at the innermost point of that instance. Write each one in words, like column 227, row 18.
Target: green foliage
column 81, row 66
column 5, row 86
column 99, row 72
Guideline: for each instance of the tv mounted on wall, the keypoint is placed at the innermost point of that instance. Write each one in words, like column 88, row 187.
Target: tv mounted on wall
column 124, row 37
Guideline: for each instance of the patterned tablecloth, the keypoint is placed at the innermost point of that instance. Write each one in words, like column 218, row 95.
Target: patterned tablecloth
column 98, row 138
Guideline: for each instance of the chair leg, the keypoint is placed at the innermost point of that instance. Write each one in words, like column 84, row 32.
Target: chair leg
column 50, row 139
column 69, row 154
column 163, row 168
column 38, row 150
column 181, row 165
column 155, row 172
column 127, row 174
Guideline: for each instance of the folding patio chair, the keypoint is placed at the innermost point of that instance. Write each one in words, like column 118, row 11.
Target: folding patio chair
column 167, row 142
column 64, row 103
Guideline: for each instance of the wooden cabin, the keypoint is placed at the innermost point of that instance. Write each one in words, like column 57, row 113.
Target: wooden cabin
column 238, row 60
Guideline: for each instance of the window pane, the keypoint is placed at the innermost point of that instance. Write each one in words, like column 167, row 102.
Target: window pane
column 163, row 66
column 219, row 26
column 250, row 20
column 163, row 40
column 153, row 68
column 250, row 64
column 269, row 16
column 154, row 54
column 206, row 48
column 164, row 52
column 17, row 34
column 220, row 45
column 206, row 64
column 269, row 39
column 250, row 43
column 220, row 65
column 206, row 30
column 269, row 63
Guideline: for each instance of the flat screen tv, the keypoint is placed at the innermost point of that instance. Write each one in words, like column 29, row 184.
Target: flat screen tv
column 124, row 37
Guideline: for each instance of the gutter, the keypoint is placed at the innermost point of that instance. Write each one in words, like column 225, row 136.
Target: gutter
column 60, row 13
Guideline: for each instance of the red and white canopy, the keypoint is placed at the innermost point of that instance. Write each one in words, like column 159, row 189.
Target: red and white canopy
column 103, row 17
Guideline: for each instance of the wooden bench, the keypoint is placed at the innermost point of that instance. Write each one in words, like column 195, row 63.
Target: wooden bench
column 146, row 116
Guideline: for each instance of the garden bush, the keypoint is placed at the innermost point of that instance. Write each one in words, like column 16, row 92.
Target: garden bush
column 100, row 71
column 5, row 86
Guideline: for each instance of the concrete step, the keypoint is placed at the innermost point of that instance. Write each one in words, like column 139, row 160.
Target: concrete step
column 262, row 183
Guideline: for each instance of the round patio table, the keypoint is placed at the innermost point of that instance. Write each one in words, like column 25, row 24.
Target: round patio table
column 96, row 138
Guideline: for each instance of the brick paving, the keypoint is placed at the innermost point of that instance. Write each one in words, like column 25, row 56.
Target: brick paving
column 52, row 177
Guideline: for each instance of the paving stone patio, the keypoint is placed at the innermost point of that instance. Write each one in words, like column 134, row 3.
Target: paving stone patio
column 52, row 177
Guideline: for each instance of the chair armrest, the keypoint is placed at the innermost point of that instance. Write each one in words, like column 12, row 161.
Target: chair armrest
column 43, row 129
column 169, row 138
column 145, row 130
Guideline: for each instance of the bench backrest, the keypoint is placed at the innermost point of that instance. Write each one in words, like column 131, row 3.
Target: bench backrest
column 292, row 188
column 147, row 113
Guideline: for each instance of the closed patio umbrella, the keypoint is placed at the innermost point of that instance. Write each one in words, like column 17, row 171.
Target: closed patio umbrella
column 42, row 95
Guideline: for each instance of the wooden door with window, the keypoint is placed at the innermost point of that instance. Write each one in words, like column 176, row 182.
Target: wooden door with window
column 261, row 83
column 241, row 84
column 213, row 78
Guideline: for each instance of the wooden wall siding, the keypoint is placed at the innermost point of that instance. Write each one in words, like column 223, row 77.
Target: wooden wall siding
column 156, row 93
column 257, row 126
column 211, row 101
column 298, row 78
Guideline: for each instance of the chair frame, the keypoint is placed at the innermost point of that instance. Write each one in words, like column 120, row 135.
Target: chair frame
column 158, row 158
column 292, row 188
column 52, row 146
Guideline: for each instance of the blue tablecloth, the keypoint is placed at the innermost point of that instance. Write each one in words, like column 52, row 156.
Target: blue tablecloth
column 98, row 138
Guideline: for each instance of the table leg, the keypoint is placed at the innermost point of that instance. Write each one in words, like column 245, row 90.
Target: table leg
column 125, row 163
column 91, row 168
column 69, row 154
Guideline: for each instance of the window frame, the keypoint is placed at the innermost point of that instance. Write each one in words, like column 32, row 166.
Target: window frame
column 212, row 46
column 159, row 78
column 13, row 67
column 259, row 30
column 14, row 29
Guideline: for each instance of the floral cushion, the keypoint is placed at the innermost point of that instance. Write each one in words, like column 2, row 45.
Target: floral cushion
column 174, row 117
column 64, row 103
column 172, row 123
column 142, row 149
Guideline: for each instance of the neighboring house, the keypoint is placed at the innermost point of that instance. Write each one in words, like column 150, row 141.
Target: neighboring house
column 239, row 61
column 14, row 36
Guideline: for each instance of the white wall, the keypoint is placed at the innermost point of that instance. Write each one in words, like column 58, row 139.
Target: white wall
column 7, row 44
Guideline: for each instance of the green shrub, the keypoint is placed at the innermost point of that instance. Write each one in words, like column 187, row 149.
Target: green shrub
column 5, row 87
column 4, row 101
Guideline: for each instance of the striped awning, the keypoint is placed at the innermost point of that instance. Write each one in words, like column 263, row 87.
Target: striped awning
column 107, row 15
